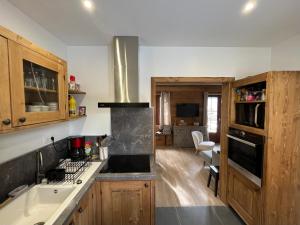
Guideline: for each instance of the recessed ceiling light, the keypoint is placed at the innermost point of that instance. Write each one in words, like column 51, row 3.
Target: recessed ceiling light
column 88, row 4
column 249, row 6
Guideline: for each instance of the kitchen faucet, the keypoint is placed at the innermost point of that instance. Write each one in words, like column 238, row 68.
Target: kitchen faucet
column 40, row 167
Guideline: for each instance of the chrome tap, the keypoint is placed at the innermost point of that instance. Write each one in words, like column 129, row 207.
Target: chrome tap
column 40, row 173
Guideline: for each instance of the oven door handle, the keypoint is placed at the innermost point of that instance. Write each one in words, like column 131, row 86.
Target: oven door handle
column 255, row 116
column 242, row 141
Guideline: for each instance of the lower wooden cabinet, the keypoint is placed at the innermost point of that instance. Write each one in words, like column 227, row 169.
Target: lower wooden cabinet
column 116, row 203
column 244, row 197
column 85, row 213
column 126, row 203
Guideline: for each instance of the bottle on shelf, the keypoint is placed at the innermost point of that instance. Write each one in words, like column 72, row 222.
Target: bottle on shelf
column 72, row 106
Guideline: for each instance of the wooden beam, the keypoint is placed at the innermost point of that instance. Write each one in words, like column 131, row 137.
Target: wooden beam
column 225, row 112
column 193, row 80
column 250, row 80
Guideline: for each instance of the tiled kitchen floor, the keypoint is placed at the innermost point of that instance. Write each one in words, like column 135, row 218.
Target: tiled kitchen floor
column 196, row 215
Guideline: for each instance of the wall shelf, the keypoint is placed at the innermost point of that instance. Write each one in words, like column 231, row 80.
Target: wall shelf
column 253, row 130
column 39, row 89
column 76, row 117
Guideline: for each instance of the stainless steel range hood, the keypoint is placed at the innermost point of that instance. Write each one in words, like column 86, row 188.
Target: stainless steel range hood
column 126, row 73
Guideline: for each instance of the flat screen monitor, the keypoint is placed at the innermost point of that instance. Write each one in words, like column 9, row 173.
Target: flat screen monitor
column 187, row 110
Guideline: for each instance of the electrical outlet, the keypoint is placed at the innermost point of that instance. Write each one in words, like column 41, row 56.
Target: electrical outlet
column 47, row 140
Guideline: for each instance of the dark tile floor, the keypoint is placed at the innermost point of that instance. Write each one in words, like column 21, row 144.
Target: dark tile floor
column 197, row 215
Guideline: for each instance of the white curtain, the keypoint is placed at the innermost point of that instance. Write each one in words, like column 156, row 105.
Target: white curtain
column 165, row 111
column 205, row 109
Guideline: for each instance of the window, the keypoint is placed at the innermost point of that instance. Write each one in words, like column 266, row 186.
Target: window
column 212, row 114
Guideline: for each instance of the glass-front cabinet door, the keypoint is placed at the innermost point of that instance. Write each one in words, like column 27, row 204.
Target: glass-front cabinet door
column 5, row 110
column 37, row 87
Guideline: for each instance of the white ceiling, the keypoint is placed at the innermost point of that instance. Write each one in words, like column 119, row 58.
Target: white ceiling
column 167, row 22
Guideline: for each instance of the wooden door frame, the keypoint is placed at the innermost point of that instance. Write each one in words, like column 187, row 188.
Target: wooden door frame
column 226, row 86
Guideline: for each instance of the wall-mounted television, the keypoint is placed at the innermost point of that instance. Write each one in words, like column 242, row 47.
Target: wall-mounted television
column 187, row 110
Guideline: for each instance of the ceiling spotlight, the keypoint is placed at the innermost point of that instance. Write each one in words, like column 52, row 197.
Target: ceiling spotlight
column 88, row 4
column 249, row 6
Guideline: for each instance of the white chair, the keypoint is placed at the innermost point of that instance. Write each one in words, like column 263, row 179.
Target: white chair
column 204, row 147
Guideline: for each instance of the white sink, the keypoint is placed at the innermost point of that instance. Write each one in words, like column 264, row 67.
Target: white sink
column 36, row 205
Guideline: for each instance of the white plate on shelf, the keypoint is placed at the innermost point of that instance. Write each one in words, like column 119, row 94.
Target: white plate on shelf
column 34, row 108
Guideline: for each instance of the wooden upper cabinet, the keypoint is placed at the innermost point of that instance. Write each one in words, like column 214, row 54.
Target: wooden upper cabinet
column 126, row 203
column 37, row 86
column 5, row 108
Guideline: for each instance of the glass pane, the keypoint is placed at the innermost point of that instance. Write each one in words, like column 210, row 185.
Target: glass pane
column 212, row 114
column 41, row 88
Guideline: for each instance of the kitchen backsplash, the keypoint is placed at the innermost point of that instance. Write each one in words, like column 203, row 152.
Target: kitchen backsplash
column 22, row 170
column 132, row 131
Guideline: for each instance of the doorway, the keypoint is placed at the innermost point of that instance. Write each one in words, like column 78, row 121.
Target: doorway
column 222, row 111
column 214, row 117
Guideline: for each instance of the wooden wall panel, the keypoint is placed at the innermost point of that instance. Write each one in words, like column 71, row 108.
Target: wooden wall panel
column 282, row 179
column 224, row 141
column 187, row 94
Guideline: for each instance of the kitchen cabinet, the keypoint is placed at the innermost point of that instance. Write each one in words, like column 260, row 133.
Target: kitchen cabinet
column 5, row 110
column 249, row 114
column 126, row 202
column 35, row 80
column 33, row 84
column 275, row 202
column 244, row 196
column 85, row 213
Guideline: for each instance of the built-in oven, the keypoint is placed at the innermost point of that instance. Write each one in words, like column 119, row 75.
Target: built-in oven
column 246, row 150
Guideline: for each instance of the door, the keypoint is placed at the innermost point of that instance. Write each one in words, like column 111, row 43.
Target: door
column 244, row 197
column 126, row 203
column 37, row 87
column 214, row 117
column 5, row 110
column 85, row 214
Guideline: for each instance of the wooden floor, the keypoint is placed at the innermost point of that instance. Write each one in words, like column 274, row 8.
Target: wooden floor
column 182, row 180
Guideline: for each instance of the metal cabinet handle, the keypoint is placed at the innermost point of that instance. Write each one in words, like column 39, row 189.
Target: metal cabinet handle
column 22, row 119
column 80, row 210
column 6, row 122
column 146, row 185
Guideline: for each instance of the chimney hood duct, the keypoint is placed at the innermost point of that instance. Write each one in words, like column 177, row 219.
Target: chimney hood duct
column 126, row 73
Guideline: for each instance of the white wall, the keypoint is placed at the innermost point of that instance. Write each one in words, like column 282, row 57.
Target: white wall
column 286, row 55
column 13, row 19
column 16, row 144
column 93, row 70
column 200, row 61
column 92, row 66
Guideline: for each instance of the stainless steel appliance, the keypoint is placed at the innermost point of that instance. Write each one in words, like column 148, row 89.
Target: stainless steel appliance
column 250, row 114
column 246, row 150
column 126, row 74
